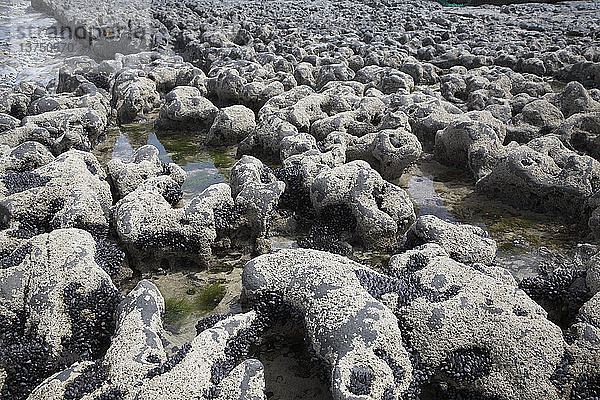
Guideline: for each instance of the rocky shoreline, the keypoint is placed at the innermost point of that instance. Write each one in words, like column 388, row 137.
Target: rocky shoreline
column 329, row 106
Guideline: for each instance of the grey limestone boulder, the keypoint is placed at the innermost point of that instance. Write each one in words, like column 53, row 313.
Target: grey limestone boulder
column 356, row 335
column 76, row 128
column 266, row 139
column 56, row 304
column 581, row 132
column 136, row 365
column 430, row 115
column 133, row 96
column 143, row 164
column 389, row 151
column 83, row 69
column 24, row 157
column 15, row 100
column 8, row 122
column 593, row 273
column 574, row 99
column 538, row 118
column 86, row 96
column 300, row 170
column 582, row 359
column 382, row 210
column 168, row 72
column 231, row 125
column 297, row 144
column 70, row 191
column 366, row 115
column 256, row 192
column 386, row 79
column 21, row 134
column 245, row 82
column 470, row 145
column 480, row 334
column 464, row 243
column 186, row 109
column 284, row 100
column 545, row 176
column 332, row 72
column 156, row 233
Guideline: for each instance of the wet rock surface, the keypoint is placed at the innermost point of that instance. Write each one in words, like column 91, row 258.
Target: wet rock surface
column 144, row 164
column 464, row 243
column 357, row 336
column 69, row 191
column 136, row 364
column 469, row 359
column 57, row 307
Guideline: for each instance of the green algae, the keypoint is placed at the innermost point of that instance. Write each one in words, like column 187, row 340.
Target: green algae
column 210, row 297
column 193, row 303
column 176, row 310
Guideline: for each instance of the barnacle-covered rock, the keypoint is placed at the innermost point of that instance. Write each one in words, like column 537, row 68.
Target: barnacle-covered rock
column 356, row 335
column 212, row 365
column 24, row 157
column 593, row 274
column 544, row 176
column 21, row 134
column 479, row 334
column 76, row 128
column 56, row 306
column 14, row 104
column 143, row 164
column 386, row 79
column 357, row 116
column 186, row 109
column 247, row 170
column 8, row 122
column 267, row 138
column 158, row 234
column 256, row 192
column 428, row 115
column 331, row 73
column 86, row 96
column 297, row 144
column 136, row 366
column 464, row 243
column 70, row 191
column 574, row 99
column 582, row 360
column 245, row 82
column 133, row 96
column 389, row 151
column 382, row 211
column 231, row 125
column 470, row 145
column 300, row 170
column 581, row 132
column 83, row 69
column 287, row 122
column 168, row 72
column 284, row 100
column 15, row 100
column 537, row 118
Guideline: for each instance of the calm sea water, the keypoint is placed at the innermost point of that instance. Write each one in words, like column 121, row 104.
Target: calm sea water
column 31, row 47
